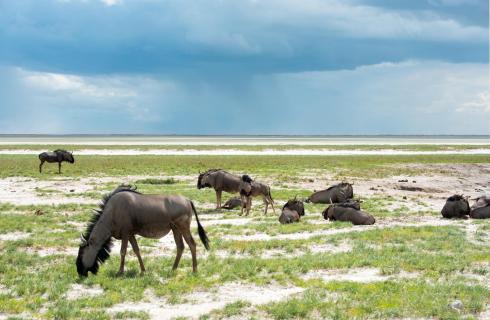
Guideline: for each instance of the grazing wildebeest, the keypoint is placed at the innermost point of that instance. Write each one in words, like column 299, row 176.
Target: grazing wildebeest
column 335, row 194
column 220, row 181
column 456, row 206
column 481, row 208
column 348, row 211
column 58, row 155
column 125, row 213
column 292, row 211
column 249, row 189
column 232, row 203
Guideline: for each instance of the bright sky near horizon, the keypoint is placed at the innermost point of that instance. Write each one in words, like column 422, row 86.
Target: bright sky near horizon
column 245, row 67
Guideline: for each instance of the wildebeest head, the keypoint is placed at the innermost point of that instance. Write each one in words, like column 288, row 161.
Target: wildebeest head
column 328, row 213
column 246, row 185
column 480, row 202
column 69, row 157
column 84, row 262
column 296, row 205
column 65, row 155
column 456, row 206
column 204, row 177
column 199, row 180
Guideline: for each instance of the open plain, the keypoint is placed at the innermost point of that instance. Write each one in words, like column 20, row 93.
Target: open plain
column 411, row 264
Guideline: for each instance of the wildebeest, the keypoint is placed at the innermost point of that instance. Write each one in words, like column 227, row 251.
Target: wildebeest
column 456, row 206
column 57, row 155
column 335, row 194
column 348, row 211
column 232, row 203
column 220, row 181
column 249, row 189
column 481, row 208
column 292, row 211
column 125, row 213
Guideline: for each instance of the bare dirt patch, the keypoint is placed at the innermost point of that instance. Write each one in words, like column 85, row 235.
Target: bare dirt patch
column 13, row 236
column 363, row 275
column 44, row 252
column 78, row 291
column 201, row 303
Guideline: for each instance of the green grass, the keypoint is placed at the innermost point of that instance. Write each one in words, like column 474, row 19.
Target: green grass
column 37, row 285
column 282, row 167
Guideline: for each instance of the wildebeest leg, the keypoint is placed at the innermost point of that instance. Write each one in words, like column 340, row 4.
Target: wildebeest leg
column 136, row 250
column 124, row 247
column 218, row 198
column 179, row 242
column 272, row 204
column 192, row 245
column 41, row 166
column 59, row 167
column 244, row 204
column 249, row 205
column 266, row 203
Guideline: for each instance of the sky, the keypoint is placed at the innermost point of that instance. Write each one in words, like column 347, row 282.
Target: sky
column 309, row 67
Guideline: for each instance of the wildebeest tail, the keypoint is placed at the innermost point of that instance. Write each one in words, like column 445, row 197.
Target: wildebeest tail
column 200, row 229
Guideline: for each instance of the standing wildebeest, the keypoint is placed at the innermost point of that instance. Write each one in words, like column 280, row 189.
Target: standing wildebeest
column 55, row 156
column 249, row 189
column 220, row 181
column 456, row 207
column 232, row 203
column 292, row 211
column 348, row 211
column 125, row 213
column 335, row 194
column 481, row 208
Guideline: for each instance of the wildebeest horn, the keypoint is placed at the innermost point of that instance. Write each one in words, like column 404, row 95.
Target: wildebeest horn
column 331, row 201
column 84, row 241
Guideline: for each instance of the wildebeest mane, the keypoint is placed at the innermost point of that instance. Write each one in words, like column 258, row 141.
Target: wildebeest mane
column 104, row 252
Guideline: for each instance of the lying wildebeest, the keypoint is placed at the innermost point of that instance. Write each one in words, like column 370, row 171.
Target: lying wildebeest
column 292, row 211
column 249, row 189
column 220, row 181
column 481, row 208
column 456, row 207
column 125, row 213
column 232, row 203
column 335, row 194
column 58, row 155
column 348, row 211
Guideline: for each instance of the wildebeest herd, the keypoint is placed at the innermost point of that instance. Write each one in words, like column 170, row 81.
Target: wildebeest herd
column 125, row 212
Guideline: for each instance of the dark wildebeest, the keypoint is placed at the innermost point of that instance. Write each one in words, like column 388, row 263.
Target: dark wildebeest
column 232, row 203
column 249, row 189
column 456, row 207
column 348, row 211
column 292, row 211
column 55, row 156
column 335, row 194
column 481, row 208
column 125, row 213
column 220, row 181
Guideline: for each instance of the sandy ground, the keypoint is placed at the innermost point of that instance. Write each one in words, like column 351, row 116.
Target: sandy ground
column 419, row 193
column 200, row 303
column 428, row 193
column 265, row 152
